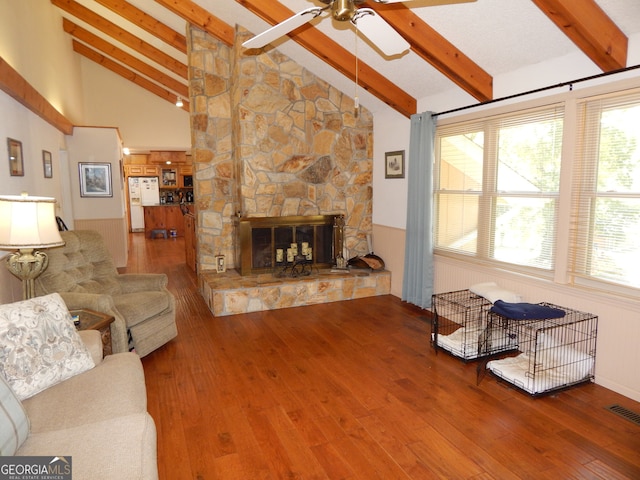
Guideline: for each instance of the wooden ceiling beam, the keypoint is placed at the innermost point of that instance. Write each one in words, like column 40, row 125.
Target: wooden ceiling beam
column 335, row 55
column 123, row 57
column 198, row 16
column 14, row 85
column 591, row 29
column 124, row 72
column 437, row 50
column 122, row 36
column 147, row 22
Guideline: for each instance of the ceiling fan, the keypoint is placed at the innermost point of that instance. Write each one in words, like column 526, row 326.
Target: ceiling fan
column 365, row 20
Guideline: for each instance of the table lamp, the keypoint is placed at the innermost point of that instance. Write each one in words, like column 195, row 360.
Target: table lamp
column 28, row 223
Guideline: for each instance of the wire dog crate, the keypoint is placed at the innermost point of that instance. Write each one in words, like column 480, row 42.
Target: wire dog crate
column 554, row 353
column 460, row 326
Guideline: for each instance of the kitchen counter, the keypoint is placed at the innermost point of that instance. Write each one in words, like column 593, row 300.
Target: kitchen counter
column 164, row 216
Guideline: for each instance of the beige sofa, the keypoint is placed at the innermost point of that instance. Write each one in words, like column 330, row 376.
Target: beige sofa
column 83, row 273
column 98, row 417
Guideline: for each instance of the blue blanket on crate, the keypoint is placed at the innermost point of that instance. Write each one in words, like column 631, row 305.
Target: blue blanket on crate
column 526, row 311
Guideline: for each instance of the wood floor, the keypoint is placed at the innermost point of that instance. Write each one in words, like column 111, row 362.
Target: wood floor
column 352, row 390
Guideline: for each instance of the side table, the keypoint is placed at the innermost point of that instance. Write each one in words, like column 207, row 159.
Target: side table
column 92, row 320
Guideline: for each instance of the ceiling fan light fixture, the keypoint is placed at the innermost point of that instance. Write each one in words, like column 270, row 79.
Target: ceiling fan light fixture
column 381, row 34
column 343, row 10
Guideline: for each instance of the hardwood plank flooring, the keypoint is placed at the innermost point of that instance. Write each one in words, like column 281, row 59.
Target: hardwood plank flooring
column 353, row 390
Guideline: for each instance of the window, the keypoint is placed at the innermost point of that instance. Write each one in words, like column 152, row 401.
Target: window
column 497, row 186
column 606, row 191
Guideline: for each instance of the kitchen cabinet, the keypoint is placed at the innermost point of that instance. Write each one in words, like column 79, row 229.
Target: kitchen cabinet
column 167, row 217
column 167, row 157
column 141, row 170
column 185, row 174
column 169, row 178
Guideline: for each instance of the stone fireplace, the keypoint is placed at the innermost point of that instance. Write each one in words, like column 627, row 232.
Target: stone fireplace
column 270, row 139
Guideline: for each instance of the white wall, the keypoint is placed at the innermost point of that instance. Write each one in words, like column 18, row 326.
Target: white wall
column 36, row 135
column 42, row 54
column 96, row 145
column 390, row 133
column 33, row 43
column 145, row 121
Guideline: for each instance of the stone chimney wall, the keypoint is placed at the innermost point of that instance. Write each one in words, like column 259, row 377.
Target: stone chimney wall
column 270, row 138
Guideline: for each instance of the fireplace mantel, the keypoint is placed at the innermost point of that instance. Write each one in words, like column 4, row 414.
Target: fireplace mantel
column 264, row 241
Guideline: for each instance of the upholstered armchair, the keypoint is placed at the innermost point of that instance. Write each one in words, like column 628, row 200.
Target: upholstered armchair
column 83, row 273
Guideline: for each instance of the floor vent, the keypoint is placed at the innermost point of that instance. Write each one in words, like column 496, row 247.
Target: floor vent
column 625, row 413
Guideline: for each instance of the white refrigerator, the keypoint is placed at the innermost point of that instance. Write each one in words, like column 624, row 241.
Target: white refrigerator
column 142, row 191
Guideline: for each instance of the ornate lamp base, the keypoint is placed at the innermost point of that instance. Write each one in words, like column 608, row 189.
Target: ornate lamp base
column 27, row 265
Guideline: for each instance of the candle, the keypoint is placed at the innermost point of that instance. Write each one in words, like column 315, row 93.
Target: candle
column 309, row 253
column 305, row 246
column 290, row 255
column 279, row 255
column 294, row 249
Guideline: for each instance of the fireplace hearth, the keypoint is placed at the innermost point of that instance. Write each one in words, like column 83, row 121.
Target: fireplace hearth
column 289, row 243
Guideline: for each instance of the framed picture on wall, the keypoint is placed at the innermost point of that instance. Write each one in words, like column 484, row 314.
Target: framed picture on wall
column 16, row 162
column 46, row 164
column 95, row 180
column 394, row 164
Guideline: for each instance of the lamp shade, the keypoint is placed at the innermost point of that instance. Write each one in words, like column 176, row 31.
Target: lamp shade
column 28, row 222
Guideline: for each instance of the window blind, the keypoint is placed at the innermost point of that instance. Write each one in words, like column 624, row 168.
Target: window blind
column 605, row 219
column 497, row 187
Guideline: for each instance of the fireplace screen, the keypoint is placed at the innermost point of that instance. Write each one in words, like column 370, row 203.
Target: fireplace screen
column 267, row 243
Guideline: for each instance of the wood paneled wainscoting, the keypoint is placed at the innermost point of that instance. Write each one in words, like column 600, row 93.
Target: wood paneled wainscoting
column 352, row 390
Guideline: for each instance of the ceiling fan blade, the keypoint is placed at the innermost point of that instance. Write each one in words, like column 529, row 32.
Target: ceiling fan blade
column 426, row 3
column 379, row 32
column 283, row 28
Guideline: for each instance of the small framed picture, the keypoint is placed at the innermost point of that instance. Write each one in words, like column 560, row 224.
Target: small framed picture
column 16, row 162
column 394, row 164
column 220, row 266
column 46, row 164
column 95, row 180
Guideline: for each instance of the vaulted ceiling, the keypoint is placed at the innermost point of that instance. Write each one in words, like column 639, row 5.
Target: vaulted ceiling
column 463, row 45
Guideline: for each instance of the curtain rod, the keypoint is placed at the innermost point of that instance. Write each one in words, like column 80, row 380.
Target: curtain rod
column 537, row 90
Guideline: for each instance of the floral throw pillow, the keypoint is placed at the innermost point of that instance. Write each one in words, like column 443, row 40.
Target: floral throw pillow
column 39, row 345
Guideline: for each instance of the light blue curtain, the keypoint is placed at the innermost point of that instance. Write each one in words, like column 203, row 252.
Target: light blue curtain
column 417, row 284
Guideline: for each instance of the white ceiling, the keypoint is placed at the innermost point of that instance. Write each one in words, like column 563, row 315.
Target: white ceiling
column 498, row 35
